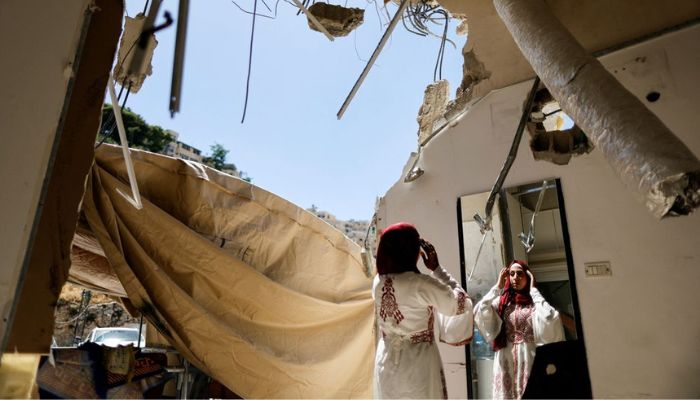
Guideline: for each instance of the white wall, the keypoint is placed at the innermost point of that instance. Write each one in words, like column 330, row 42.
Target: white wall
column 38, row 42
column 642, row 324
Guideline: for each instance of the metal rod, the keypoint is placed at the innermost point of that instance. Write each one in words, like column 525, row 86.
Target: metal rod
column 478, row 253
column 179, row 57
column 551, row 185
column 136, row 199
column 140, row 328
column 372, row 59
column 528, row 241
column 313, row 20
column 511, row 155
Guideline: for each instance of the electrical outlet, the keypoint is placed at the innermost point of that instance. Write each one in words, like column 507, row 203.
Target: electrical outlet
column 598, row 269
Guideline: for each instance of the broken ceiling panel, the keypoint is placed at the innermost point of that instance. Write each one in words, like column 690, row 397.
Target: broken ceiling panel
column 339, row 21
column 127, row 47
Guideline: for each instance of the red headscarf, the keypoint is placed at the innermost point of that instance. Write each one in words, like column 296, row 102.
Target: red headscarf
column 509, row 296
column 398, row 249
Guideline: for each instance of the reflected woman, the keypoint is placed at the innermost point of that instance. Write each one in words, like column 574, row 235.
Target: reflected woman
column 413, row 312
column 514, row 317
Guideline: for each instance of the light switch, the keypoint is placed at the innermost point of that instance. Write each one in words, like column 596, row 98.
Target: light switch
column 598, row 269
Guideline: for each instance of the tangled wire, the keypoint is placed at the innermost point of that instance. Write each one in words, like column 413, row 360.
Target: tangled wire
column 418, row 16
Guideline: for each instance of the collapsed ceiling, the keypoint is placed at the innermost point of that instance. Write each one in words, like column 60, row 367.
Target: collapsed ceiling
column 596, row 24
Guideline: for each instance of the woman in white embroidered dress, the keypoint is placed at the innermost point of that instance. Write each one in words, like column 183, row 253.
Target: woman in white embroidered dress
column 408, row 363
column 529, row 322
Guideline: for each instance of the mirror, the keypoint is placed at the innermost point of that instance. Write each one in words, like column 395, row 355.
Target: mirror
column 528, row 224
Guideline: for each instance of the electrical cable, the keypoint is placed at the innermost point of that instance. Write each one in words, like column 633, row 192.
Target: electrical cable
column 114, row 121
column 250, row 61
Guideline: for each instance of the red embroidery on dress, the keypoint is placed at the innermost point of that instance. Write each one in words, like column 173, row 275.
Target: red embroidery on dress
column 503, row 386
column 519, row 324
column 389, row 307
column 427, row 334
column 503, row 379
column 461, row 299
column 524, row 375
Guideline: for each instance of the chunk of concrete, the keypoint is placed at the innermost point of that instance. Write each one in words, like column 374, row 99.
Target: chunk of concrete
column 127, row 48
column 434, row 105
column 339, row 21
column 473, row 72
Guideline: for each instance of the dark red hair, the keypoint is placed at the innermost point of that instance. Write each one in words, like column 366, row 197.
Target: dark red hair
column 398, row 249
column 509, row 296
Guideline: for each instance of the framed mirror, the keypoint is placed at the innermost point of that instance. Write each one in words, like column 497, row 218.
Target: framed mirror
column 529, row 224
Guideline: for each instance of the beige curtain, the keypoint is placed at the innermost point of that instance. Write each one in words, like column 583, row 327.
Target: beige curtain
column 255, row 291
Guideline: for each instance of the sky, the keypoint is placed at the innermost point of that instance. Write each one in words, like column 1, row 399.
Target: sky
column 291, row 142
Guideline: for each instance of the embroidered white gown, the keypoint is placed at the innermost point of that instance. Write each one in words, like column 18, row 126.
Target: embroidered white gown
column 526, row 328
column 408, row 308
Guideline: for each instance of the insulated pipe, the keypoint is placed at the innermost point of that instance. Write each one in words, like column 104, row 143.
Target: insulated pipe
column 637, row 145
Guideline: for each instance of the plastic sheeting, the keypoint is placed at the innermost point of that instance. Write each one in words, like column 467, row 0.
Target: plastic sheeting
column 258, row 293
column 638, row 146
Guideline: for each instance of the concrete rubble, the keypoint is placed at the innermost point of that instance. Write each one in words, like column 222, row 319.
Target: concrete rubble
column 436, row 109
column 127, row 46
column 554, row 145
column 433, row 108
column 473, row 72
column 339, row 21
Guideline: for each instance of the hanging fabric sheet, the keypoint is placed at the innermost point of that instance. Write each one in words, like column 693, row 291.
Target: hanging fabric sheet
column 255, row 291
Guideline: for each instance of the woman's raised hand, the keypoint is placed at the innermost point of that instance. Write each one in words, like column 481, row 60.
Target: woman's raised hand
column 429, row 255
column 502, row 277
column 532, row 279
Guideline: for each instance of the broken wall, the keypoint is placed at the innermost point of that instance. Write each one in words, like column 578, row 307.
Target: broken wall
column 605, row 223
column 40, row 41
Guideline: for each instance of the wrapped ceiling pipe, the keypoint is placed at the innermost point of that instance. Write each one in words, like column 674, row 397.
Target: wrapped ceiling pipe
column 638, row 146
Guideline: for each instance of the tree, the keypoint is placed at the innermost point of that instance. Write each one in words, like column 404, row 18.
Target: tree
column 139, row 133
column 217, row 159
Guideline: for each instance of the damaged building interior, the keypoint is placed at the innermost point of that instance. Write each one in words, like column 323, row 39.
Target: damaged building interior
column 570, row 143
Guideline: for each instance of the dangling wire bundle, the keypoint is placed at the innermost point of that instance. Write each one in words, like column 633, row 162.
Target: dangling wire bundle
column 418, row 16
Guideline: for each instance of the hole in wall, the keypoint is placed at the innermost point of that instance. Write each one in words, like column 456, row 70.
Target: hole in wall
column 653, row 96
column 554, row 135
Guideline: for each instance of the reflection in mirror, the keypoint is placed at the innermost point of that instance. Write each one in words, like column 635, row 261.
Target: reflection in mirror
column 547, row 258
column 527, row 225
